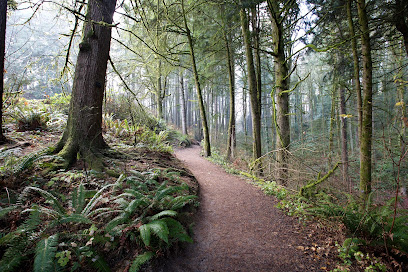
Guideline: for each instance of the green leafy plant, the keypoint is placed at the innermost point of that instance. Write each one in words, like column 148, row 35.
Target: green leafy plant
column 140, row 210
column 375, row 222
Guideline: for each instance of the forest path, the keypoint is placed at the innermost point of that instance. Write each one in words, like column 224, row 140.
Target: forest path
column 238, row 228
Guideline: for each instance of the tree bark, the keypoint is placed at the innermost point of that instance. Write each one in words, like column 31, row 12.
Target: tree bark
column 159, row 93
column 207, row 147
column 401, row 20
column 282, row 121
column 231, row 142
column 344, row 142
column 183, row 105
column 83, row 132
column 367, row 127
column 3, row 19
column 356, row 77
column 253, row 90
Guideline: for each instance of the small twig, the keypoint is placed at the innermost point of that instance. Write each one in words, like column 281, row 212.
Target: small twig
column 8, row 195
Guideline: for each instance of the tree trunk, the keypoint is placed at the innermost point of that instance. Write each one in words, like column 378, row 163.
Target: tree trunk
column 183, row 105
column 356, row 77
column 207, row 147
column 282, row 93
column 159, row 93
column 83, row 132
column 332, row 124
column 231, row 76
column 344, row 146
column 401, row 20
column 367, row 126
column 3, row 19
column 253, row 90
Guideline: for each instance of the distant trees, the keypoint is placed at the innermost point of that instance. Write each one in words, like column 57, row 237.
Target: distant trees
column 207, row 146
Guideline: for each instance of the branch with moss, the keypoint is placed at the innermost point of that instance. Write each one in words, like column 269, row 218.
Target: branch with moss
column 305, row 190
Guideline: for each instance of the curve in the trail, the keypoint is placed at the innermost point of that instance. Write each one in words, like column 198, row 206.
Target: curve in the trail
column 237, row 227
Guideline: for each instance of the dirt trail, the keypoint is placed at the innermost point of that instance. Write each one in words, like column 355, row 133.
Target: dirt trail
column 238, row 228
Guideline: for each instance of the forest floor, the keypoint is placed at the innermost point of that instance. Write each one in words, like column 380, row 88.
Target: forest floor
column 238, row 228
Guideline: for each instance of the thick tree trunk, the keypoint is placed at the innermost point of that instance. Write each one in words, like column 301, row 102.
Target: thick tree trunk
column 253, row 90
column 401, row 20
column 83, row 133
column 367, row 126
column 356, row 77
column 3, row 19
column 207, row 147
column 183, row 104
column 282, row 93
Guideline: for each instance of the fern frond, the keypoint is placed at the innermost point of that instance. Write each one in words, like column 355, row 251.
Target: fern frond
column 27, row 161
column 47, row 195
column 75, row 218
column 134, row 193
column 120, row 219
column 13, row 256
column 100, row 264
column 180, row 201
column 33, row 221
column 163, row 213
column 28, row 226
column 99, row 211
column 141, row 260
column 159, row 227
column 94, row 200
column 168, row 192
column 45, row 253
column 5, row 211
column 133, row 205
column 145, row 234
column 177, row 231
column 78, row 198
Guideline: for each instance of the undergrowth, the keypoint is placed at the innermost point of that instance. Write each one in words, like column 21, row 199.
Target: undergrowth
column 138, row 215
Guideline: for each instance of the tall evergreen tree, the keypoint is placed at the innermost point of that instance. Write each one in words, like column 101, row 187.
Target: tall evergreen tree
column 83, row 133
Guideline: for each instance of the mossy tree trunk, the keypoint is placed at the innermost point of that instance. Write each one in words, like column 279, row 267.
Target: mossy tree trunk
column 83, row 133
column 282, row 122
column 231, row 142
column 159, row 93
column 367, row 127
column 3, row 19
column 253, row 89
column 344, row 141
column 207, row 146
column 356, row 76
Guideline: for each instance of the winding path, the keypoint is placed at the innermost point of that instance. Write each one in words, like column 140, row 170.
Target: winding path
column 238, row 228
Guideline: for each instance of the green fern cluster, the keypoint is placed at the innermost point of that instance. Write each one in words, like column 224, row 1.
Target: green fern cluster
column 15, row 166
column 373, row 223
column 66, row 233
